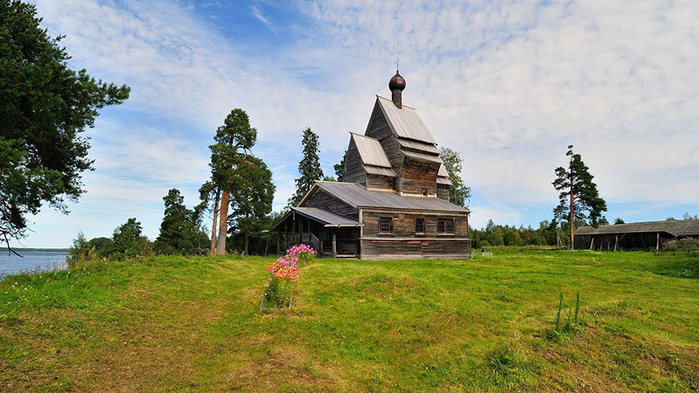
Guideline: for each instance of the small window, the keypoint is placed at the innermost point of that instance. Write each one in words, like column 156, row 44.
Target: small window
column 385, row 225
column 419, row 225
column 445, row 225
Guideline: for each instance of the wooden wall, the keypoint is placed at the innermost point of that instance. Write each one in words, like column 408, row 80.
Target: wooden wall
column 354, row 170
column 378, row 182
column 378, row 127
column 405, row 243
column 324, row 200
column 443, row 191
column 419, row 175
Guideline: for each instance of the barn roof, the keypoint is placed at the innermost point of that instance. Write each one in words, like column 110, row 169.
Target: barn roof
column 676, row 228
column 357, row 196
column 405, row 122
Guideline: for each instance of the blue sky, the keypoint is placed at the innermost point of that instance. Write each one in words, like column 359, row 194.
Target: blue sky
column 509, row 85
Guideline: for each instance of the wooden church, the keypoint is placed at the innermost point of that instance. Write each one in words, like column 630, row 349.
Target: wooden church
column 393, row 200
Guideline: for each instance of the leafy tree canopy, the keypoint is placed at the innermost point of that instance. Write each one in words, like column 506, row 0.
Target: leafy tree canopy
column 44, row 106
column 251, row 199
column 459, row 193
column 128, row 238
column 180, row 231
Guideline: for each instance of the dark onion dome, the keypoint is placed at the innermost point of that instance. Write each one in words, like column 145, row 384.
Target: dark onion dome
column 397, row 82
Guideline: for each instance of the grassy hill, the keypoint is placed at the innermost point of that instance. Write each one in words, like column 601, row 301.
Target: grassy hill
column 179, row 324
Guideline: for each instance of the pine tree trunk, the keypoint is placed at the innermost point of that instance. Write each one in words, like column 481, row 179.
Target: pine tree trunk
column 213, row 226
column 247, row 238
column 572, row 220
column 223, row 226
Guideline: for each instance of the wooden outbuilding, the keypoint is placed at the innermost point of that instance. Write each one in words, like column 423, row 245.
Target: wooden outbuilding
column 393, row 201
column 652, row 235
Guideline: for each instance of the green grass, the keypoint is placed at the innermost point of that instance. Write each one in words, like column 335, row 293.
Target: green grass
column 179, row 324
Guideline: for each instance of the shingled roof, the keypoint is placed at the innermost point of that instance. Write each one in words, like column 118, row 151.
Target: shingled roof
column 676, row 228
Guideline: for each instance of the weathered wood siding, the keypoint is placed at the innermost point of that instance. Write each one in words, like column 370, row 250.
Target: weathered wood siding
column 376, row 249
column 378, row 182
column 418, row 176
column 395, row 156
column 443, row 191
column 354, row 170
column 405, row 243
column 324, row 200
column 378, row 127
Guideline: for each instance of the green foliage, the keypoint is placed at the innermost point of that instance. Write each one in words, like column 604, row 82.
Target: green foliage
column 251, row 200
column 579, row 198
column 309, row 166
column 234, row 135
column 44, row 106
column 279, row 293
column 459, row 194
column 129, row 241
column 80, row 251
column 504, row 235
column 571, row 323
column 340, row 167
column 179, row 231
column 239, row 181
column 103, row 246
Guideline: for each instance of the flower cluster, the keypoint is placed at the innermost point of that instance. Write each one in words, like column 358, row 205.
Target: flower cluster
column 302, row 252
column 285, row 267
column 285, row 274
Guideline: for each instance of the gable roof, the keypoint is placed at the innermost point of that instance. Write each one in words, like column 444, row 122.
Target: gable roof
column 443, row 176
column 372, row 155
column 405, row 122
column 677, row 228
column 357, row 196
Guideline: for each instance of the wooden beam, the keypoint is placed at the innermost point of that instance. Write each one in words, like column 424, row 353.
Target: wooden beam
column 334, row 244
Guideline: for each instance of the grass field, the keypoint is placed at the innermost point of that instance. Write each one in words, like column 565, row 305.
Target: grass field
column 488, row 324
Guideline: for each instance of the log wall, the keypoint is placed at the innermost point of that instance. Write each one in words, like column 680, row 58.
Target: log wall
column 324, row 200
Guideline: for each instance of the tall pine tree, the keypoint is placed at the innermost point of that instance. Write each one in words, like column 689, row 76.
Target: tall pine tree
column 309, row 166
column 579, row 198
column 233, row 140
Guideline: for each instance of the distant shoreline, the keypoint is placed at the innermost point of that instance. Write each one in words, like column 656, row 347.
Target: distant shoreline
column 21, row 250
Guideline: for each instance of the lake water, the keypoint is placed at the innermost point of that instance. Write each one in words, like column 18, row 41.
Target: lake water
column 31, row 261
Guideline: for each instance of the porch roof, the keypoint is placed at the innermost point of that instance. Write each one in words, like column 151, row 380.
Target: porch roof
column 324, row 217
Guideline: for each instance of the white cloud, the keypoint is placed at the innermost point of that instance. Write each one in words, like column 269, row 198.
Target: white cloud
column 508, row 85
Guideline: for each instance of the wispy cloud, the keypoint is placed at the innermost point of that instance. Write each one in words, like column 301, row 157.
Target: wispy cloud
column 508, row 85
